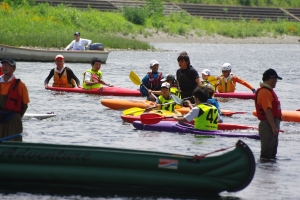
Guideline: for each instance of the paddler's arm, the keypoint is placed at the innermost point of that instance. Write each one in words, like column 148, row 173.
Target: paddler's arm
column 198, row 81
column 73, row 76
column 23, row 109
column 48, row 78
column 270, row 119
column 244, row 83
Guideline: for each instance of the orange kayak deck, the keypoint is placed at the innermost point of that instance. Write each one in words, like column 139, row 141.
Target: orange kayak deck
column 287, row 115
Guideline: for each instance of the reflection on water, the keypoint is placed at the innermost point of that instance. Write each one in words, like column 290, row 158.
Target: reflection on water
column 82, row 120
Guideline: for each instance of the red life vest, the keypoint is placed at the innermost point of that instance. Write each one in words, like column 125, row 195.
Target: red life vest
column 1, row 71
column 14, row 101
column 154, row 84
column 276, row 108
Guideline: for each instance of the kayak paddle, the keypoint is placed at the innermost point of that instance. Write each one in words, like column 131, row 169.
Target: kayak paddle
column 137, row 81
column 152, row 118
column 10, row 137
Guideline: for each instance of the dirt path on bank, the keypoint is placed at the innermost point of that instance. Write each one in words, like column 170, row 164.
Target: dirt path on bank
column 193, row 38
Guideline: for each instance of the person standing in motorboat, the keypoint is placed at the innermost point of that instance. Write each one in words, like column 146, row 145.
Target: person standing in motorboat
column 205, row 115
column 227, row 81
column 187, row 77
column 63, row 75
column 92, row 78
column 79, row 43
column 268, row 111
column 14, row 101
column 152, row 81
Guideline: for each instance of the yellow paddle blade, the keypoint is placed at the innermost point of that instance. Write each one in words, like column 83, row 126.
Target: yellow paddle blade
column 134, row 78
column 213, row 80
column 132, row 111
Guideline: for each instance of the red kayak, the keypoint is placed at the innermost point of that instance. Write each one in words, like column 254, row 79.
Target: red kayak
column 238, row 95
column 221, row 126
column 108, row 91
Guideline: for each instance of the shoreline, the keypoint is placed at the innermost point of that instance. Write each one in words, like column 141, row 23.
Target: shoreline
column 161, row 37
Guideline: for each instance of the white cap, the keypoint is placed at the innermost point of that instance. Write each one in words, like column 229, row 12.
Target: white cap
column 226, row 67
column 166, row 85
column 206, row 72
column 153, row 62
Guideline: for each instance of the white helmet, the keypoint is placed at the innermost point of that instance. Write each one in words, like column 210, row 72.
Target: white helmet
column 226, row 67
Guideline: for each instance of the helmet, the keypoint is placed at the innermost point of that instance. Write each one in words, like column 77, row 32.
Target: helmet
column 226, row 67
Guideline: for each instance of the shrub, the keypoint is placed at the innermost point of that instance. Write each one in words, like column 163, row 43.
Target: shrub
column 135, row 15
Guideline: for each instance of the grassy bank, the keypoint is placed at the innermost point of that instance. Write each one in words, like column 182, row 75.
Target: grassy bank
column 45, row 26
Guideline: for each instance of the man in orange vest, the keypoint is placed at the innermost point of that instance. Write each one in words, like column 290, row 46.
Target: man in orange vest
column 269, row 113
column 13, row 101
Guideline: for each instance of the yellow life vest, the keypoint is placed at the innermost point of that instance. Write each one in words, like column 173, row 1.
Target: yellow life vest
column 169, row 107
column 98, row 74
column 174, row 90
column 62, row 81
column 227, row 86
column 208, row 121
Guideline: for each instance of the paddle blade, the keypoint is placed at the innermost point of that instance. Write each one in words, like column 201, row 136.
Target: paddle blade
column 134, row 78
column 133, row 111
column 151, row 118
column 212, row 80
column 176, row 99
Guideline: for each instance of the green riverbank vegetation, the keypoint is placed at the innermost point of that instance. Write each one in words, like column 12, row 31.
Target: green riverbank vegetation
column 28, row 24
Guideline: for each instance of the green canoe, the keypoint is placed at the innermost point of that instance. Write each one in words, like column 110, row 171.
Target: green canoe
column 43, row 166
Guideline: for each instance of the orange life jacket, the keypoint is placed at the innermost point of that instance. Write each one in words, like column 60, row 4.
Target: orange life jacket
column 61, row 81
column 14, row 101
column 276, row 108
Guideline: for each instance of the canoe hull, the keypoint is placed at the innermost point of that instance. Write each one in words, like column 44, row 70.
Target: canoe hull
column 287, row 115
column 45, row 165
column 36, row 55
column 106, row 91
column 174, row 127
column 221, row 126
column 39, row 116
column 121, row 104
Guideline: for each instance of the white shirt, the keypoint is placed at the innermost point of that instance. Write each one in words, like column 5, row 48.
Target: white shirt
column 80, row 45
column 2, row 78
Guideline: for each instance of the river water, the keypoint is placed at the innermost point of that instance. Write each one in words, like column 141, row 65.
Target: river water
column 82, row 120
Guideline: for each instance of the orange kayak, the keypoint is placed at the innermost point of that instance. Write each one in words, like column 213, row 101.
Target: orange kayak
column 122, row 104
column 287, row 115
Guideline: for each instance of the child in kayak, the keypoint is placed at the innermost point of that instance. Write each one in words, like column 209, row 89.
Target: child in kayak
column 206, row 78
column 151, row 81
column 173, row 85
column 227, row 81
column 165, row 98
column 206, row 116
column 92, row 78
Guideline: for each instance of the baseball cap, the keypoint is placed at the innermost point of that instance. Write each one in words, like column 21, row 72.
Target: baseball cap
column 77, row 33
column 59, row 57
column 153, row 62
column 206, row 72
column 168, row 77
column 166, row 85
column 271, row 73
column 10, row 61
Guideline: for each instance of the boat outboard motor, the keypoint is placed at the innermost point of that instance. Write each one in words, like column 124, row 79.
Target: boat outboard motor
column 97, row 46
